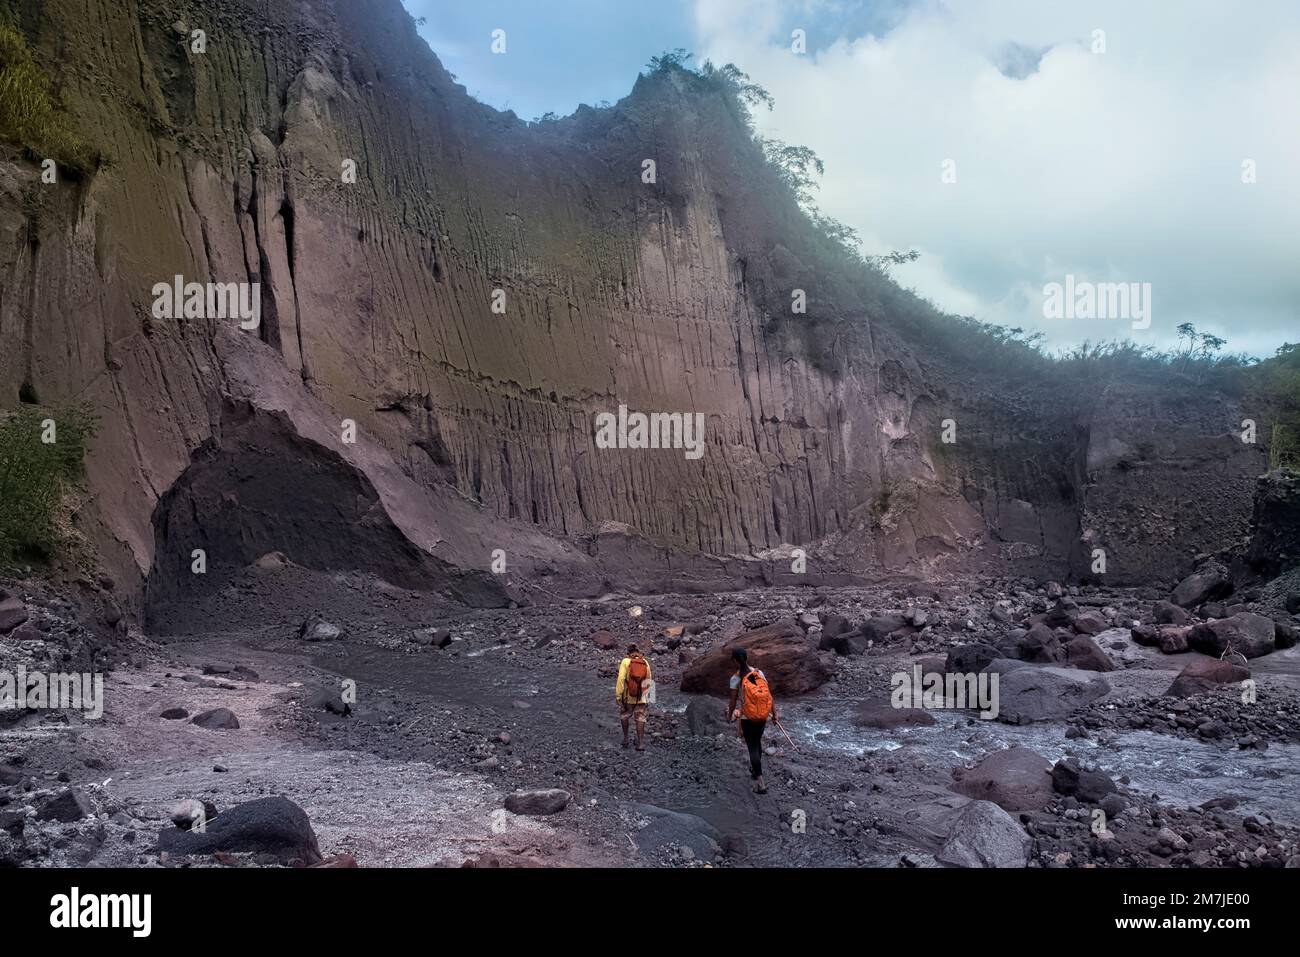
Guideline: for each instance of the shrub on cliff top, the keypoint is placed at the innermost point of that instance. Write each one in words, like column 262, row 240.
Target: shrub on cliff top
column 41, row 459
column 29, row 114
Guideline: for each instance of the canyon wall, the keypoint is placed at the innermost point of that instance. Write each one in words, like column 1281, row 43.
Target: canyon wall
column 476, row 427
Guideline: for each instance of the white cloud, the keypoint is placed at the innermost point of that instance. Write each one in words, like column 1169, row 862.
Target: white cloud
column 1123, row 165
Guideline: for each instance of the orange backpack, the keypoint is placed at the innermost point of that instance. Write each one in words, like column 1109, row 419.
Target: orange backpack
column 756, row 702
column 637, row 672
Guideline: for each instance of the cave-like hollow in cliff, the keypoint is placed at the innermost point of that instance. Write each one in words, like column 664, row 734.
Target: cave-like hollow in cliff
column 259, row 488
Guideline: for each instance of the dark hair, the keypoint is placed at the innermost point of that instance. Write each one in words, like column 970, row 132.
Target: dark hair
column 741, row 656
column 632, row 648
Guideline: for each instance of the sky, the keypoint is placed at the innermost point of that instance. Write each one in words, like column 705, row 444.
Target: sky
column 1014, row 144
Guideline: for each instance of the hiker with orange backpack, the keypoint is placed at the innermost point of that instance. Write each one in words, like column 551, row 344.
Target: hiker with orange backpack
column 752, row 704
column 631, row 691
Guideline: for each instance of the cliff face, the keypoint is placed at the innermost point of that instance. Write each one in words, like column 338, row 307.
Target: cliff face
column 475, row 427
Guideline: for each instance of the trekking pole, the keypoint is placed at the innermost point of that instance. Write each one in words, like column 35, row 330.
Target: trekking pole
column 782, row 730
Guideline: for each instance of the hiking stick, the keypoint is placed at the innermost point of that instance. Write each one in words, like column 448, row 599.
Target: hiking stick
column 782, row 730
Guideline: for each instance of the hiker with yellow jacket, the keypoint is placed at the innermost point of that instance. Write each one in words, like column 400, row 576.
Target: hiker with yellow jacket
column 631, row 692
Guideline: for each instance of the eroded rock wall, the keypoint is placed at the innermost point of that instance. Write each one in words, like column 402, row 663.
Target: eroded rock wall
column 228, row 165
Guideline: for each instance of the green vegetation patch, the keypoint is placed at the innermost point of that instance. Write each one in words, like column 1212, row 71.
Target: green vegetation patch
column 30, row 115
column 42, row 455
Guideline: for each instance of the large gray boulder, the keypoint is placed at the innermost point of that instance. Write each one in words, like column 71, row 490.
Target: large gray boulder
column 984, row 835
column 1044, row 694
column 544, row 801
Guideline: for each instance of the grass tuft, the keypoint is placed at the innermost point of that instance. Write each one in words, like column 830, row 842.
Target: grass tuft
column 29, row 112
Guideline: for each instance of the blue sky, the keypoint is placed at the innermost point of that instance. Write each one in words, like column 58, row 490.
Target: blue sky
column 1118, row 164
column 559, row 53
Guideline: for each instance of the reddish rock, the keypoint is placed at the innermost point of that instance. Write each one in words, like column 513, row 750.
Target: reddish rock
column 1173, row 639
column 604, row 640
column 1085, row 654
column 1247, row 634
column 780, row 651
column 1146, row 635
column 1016, row 779
column 1207, row 674
column 1090, row 623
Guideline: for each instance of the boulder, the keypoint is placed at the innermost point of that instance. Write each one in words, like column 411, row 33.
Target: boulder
column 1062, row 614
column 984, row 835
column 317, row 628
column 1040, row 694
column 1009, row 644
column 538, row 802
column 1146, row 635
column 970, row 659
column 1285, row 634
column 174, row 714
column 1167, row 613
column 27, row 632
column 1173, row 639
column 838, row 643
column 1016, row 779
column 217, row 719
column 273, row 825
column 1084, row 654
column 1090, row 623
column 431, row 637
column 67, row 806
column 1209, row 581
column 1041, row 646
column 875, row 714
column 604, row 640
column 1206, row 674
column 12, row 614
column 1246, row 633
column 878, row 629
column 779, row 650
column 185, row 814
column 835, row 625
column 1088, row 786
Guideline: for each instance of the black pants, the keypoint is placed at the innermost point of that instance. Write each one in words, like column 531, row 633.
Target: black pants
column 753, row 732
